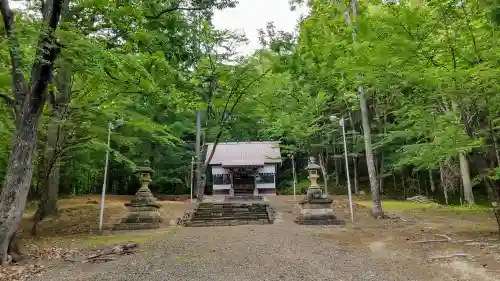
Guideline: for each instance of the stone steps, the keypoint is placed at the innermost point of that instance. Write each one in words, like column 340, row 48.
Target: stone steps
column 232, row 206
column 215, row 212
column 229, row 213
column 222, row 210
column 231, row 217
column 205, row 223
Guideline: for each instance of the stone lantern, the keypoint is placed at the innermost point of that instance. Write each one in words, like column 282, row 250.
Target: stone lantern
column 143, row 211
column 314, row 190
column 316, row 208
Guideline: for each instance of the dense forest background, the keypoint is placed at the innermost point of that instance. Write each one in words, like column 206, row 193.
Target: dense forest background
column 416, row 81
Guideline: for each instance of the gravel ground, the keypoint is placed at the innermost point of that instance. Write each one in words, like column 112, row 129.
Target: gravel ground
column 282, row 251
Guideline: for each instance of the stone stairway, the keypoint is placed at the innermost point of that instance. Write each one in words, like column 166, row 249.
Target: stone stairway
column 231, row 213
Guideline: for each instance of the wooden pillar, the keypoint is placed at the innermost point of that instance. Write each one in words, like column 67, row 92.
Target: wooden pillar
column 255, row 190
column 231, row 190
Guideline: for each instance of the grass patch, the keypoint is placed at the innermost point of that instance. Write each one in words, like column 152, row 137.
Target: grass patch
column 393, row 205
column 112, row 239
column 93, row 241
column 399, row 205
column 80, row 215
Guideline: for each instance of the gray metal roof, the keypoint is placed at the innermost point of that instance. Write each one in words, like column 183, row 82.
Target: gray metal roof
column 251, row 153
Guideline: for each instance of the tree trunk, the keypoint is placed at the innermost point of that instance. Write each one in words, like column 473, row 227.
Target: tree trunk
column 336, row 164
column 495, row 141
column 323, row 167
column 55, row 137
column 443, row 184
column 376, row 210
column 433, row 184
column 466, row 180
column 370, row 161
column 494, row 196
column 394, row 184
column 50, row 182
column 18, row 179
column 20, row 166
column 355, row 171
column 381, row 174
column 403, row 183
column 418, row 183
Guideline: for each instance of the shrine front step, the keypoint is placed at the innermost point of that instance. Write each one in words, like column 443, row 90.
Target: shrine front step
column 229, row 213
column 231, row 217
column 229, row 209
column 206, row 223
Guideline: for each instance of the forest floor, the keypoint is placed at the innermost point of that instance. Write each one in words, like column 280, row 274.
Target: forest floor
column 426, row 241
column 463, row 240
column 74, row 231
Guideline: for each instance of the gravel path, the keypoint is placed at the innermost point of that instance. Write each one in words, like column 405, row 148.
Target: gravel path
column 282, row 251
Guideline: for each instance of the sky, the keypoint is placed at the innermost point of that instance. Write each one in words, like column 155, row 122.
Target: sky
column 249, row 16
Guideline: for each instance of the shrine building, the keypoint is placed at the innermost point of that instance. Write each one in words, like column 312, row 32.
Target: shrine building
column 244, row 168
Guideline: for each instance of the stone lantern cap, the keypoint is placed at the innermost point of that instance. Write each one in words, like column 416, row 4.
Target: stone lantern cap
column 312, row 164
column 146, row 168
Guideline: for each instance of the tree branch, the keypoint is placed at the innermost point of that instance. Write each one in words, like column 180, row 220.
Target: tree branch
column 8, row 100
column 173, row 9
column 18, row 82
column 11, row 103
column 47, row 51
column 222, row 125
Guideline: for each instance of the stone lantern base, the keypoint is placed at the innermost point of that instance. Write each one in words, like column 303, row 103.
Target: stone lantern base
column 317, row 211
column 143, row 212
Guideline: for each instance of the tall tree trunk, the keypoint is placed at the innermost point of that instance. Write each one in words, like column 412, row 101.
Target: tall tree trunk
column 466, row 180
column 443, row 184
column 464, row 164
column 370, row 161
column 376, row 210
column 55, row 137
column 20, row 166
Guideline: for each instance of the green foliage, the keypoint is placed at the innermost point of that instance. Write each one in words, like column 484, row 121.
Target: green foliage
column 429, row 69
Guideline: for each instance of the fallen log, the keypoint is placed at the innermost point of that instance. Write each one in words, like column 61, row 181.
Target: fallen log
column 461, row 255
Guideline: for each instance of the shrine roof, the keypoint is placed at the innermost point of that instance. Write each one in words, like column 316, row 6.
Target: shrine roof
column 251, row 153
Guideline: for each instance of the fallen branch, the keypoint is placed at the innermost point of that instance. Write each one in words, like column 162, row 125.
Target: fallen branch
column 101, row 259
column 116, row 250
column 447, row 239
column 445, row 236
column 462, row 255
column 444, row 241
column 123, row 249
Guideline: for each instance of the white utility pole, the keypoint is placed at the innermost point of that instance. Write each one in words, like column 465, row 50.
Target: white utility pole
column 342, row 124
column 199, row 194
column 103, row 194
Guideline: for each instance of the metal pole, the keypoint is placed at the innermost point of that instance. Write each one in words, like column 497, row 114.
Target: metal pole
column 347, row 171
column 192, row 176
column 103, row 195
column 198, row 155
column 294, row 178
